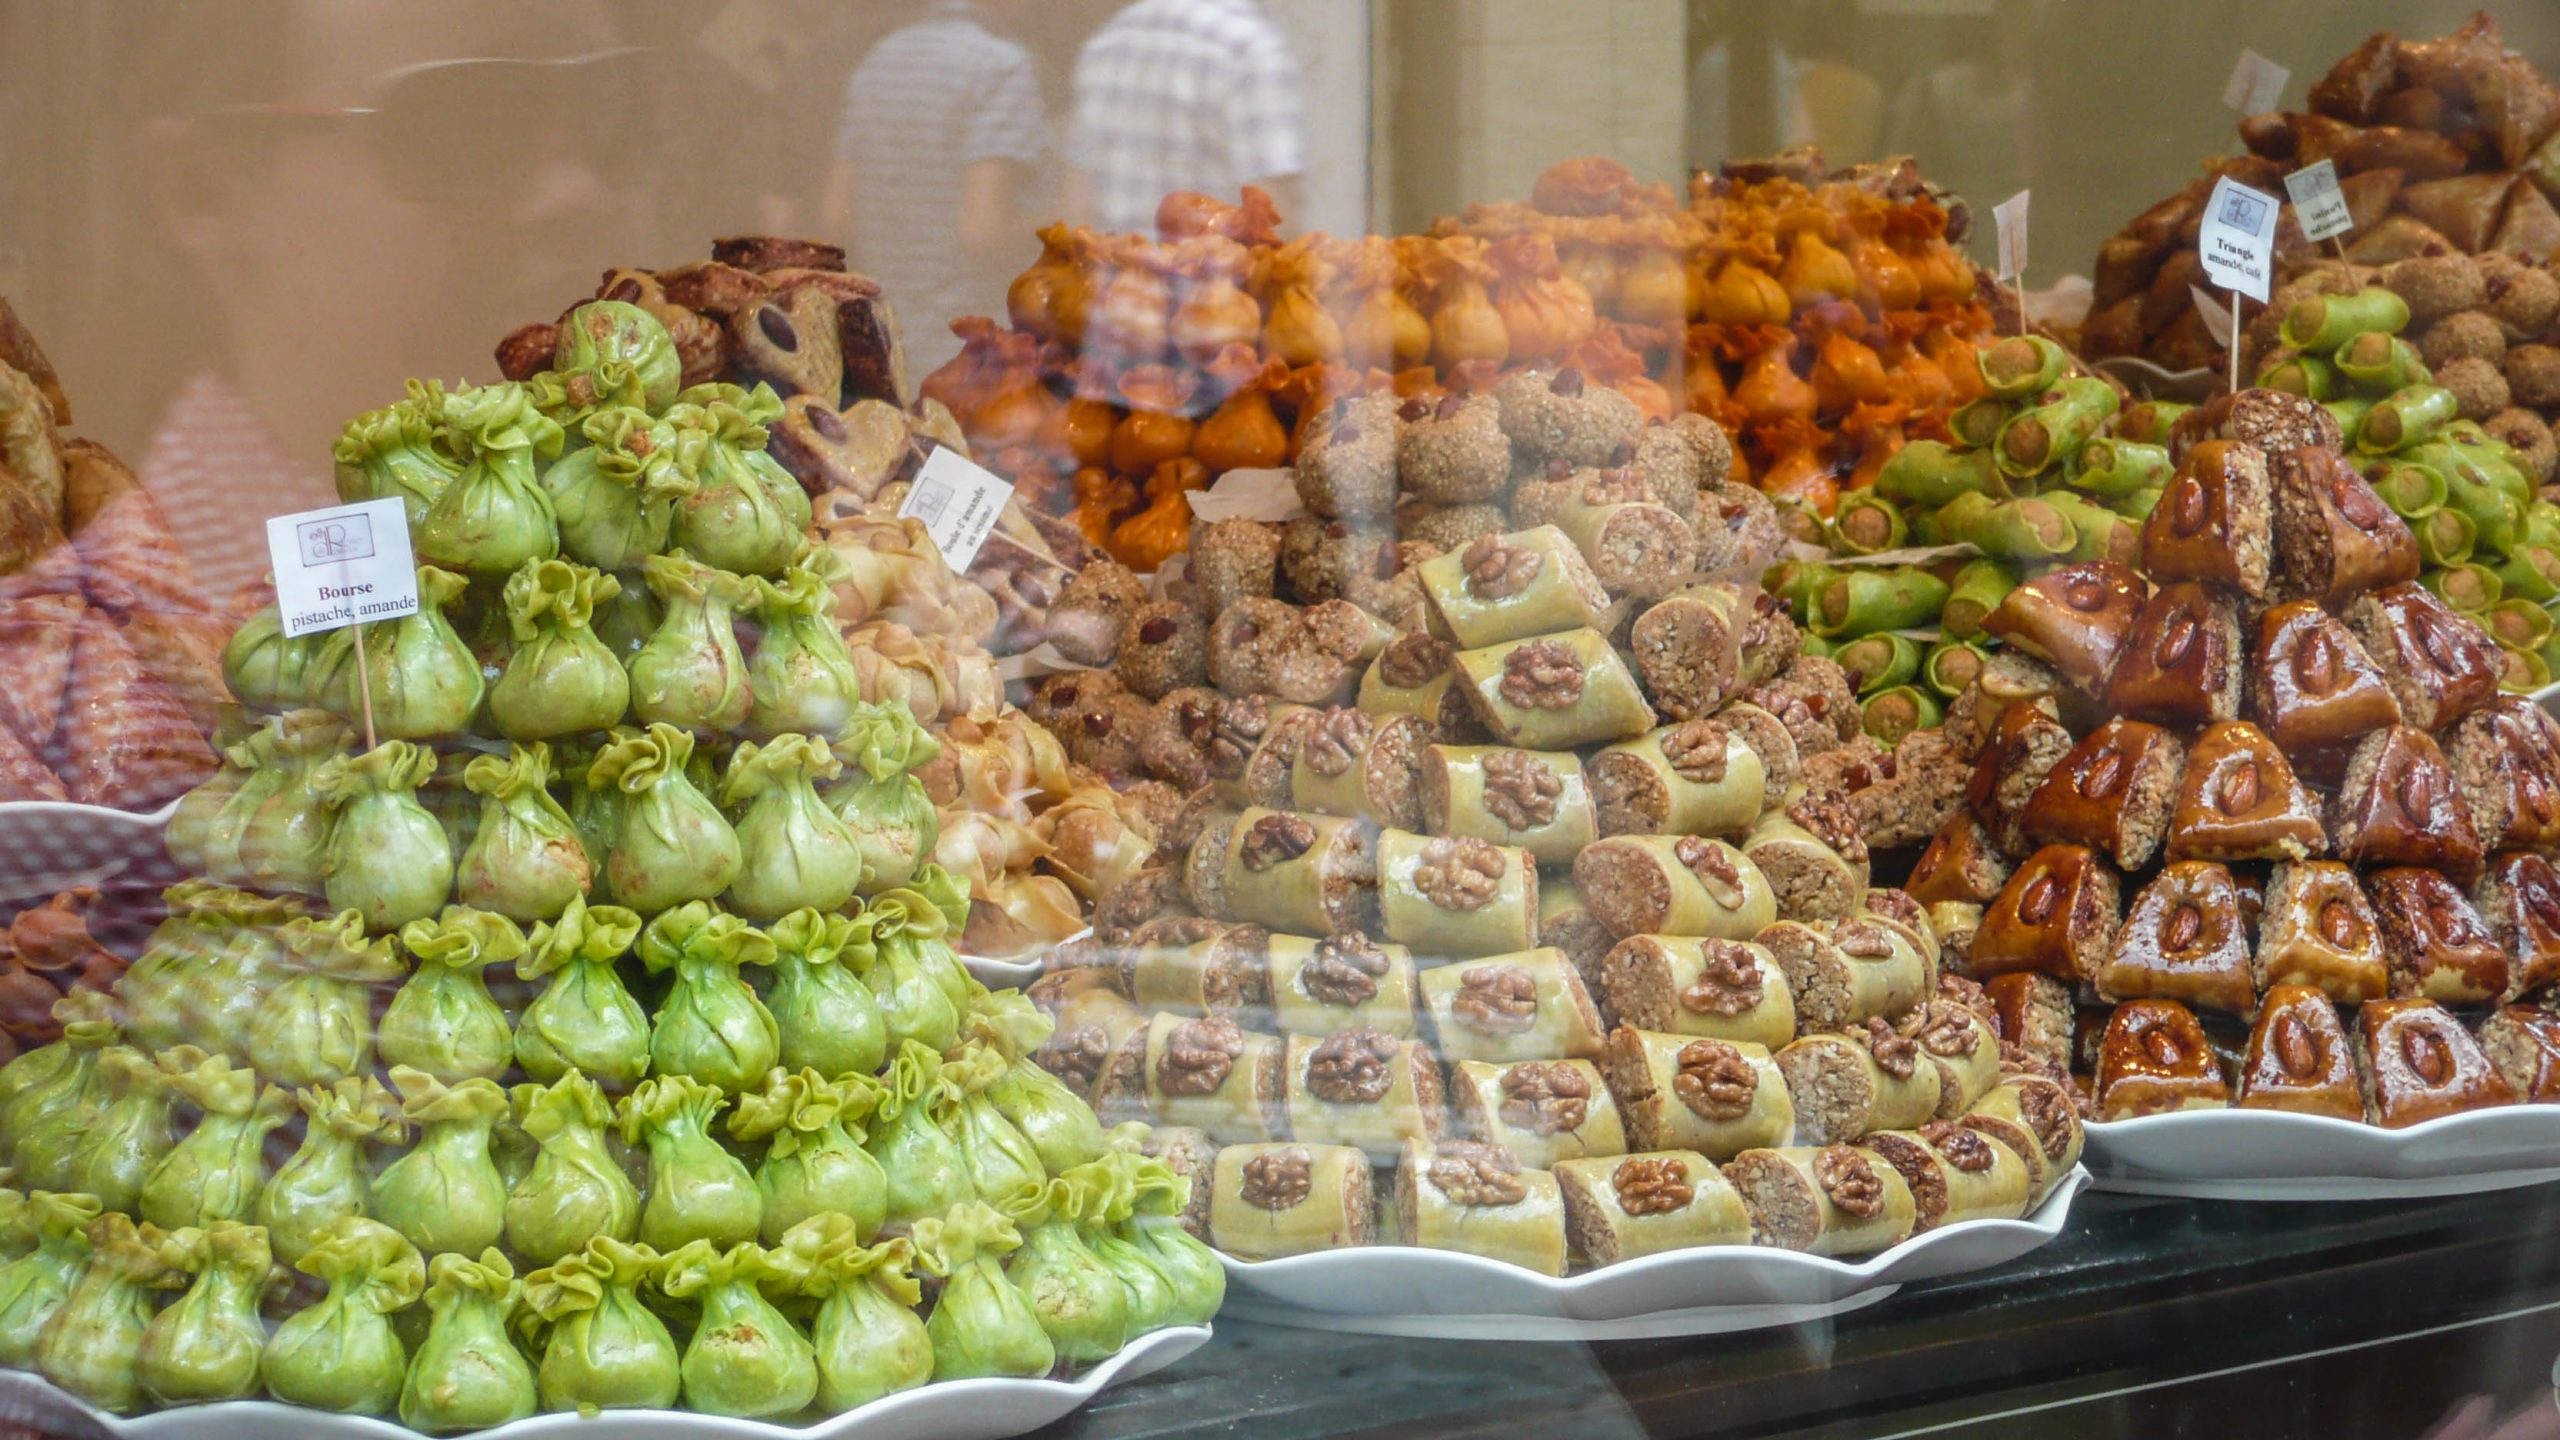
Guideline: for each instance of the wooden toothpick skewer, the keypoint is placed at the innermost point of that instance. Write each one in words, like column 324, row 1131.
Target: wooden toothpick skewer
column 364, row 686
column 2235, row 342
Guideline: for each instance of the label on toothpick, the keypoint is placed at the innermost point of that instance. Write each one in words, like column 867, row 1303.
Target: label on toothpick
column 2009, row 223
column 958, row 501
column 2319, row 206
column 2256, row 84
column 342, row 565
column 2238, row 241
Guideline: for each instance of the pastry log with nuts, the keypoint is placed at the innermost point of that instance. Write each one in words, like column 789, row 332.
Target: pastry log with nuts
column 1272, row 1200
column 1477, row 1197
column 1501, row 1008
column 1626, row 1207
column 1544, row 1111
column 1717, row 1097
column 1717, row 989
column 1831, row 1200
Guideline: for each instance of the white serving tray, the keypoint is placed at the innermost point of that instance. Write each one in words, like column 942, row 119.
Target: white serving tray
column 949, row 1410
column 1407, row 1290
column 48, row 846
column 2274, row 1155
column 1014, row 974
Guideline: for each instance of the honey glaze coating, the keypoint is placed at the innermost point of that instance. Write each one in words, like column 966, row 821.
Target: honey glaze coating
column 2183, row 939
column 2335, row 538
column 2518, row 898
column 2240, row 800
column 2178, row 665
column 2506, row 758
column 2153, row 1059
column 2210, row 522
column 2419, row 1064
column 2313, row 689
column 2056, row 916
column 2438, row 947
column 2299, row 1058
column 1960, row 864
column 2399, row 806
column 2319, row 931
column 2075, row 618
column 2097, row 794
column 2441, row 664
column 2531, row 1067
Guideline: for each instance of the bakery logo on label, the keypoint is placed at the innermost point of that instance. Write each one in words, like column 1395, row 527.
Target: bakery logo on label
column 342, row 565
column 328, row 542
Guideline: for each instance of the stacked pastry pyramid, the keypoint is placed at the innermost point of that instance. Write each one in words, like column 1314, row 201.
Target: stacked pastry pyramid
column 580, row 766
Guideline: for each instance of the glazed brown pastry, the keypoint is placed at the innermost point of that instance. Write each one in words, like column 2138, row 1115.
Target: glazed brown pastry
column 2113, row 792
column 2272, row 420
column 2398, row 806
column 2523, row 1043
column 2437, row 945
column 2441, row 665
column 2212, row 523
column 1961, row 865
column 2299, row 1058
column 2034, row 1015
column 2239, row 800
column 2025, row 746
column 2313, row 689
column 2317, row 930
column 2335, row 539
column 2057, row 916
column 2184, row 940
column 2155, row 1059
column 2518, row 898
column 2181, row 660
column 2075, row 618
column 2418, row 1063
column 2506, row 762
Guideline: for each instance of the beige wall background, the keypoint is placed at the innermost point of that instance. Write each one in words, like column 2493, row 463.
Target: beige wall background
column 183, row 195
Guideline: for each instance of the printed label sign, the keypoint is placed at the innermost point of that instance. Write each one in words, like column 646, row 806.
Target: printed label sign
column 2237, row 243
column 2256, row 84
column 339, row 566
column 958, row 501
column 2319, row 206
column 2009, row 222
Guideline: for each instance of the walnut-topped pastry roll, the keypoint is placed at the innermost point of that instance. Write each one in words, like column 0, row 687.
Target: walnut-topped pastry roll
column 1554, row 692
column 1211, row 1074
column 1193, row 965
column 1676, row 1092
column 1364, row 766
column 1624, row 1207
column 1304, row 874
column 1251, row 747
column 1695, row 777
column 1954, row 1174
column 1813, row 855
column 1269, row 1201
column 1831, row 1200
column 2036, row 1118
column 1567, row 924
column 1962, row 1046
column 1448, row 896
column 1339, row 982
column 1690, row 985
column 1535, row 800
column 1476, row 1197
column 1674, row 885
column 1364, row 1087
column 2183, row 939
column 1099, row 1049
column 1530, row 1006
column 1706, row 644
column 2299, row 1058
column 1193, row 1156
column 1849, row 971
column 1869, row 1078
column 1507, row 587
column 2155, row 1059
column 2316, row 929
column 1414, row 676
column 1543, row 1111
column 2418, row 1063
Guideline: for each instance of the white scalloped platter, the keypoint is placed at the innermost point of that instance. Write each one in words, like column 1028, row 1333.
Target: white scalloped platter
column 2273, row 1155
column 1713, row 1289
column 46, row 845
column 950, row 1410
column 2143, row 376
column 1000, row 974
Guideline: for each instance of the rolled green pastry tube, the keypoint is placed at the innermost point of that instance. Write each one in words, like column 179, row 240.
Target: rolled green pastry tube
column 2306, row 375
column 1543, row 1111
column 1976, row 425
column 1977, row 590
column 2412, row 491
column 1694, row 778
column 1342, row 982
column 2024, row 529
column 1363, row 766
column 2349, row 411
column 1478, row 1199
column 2518, row 624
column 1684, row 1092
column 1536, row 800
column 1687, row 985
column 1506, row 1008
column 1674, row 885
column 1364, row 1088
column 1880, row 661
column 1628, row 1207
column 1555, row 691
column 2148, row 422
column 1868, row 523
column 1888, row 715
column 2531, row 572
column 1242, row 1101
column 2406, row 417
column 1863, row 601
column 2445, row 537
column 2542, row 523
column 2054, row 429
column 1274, row 1200
column 2322, row 323
column 2110, row 467
column 2021, row 366
column 1798, row 581
column 1926, row 474
column 2497, row 520
column 2136, row 506
column 2378, row 364
column 2098, row 533
column 1450, row 896
column 1521, row 596
column 1950, row 666
column 1304, row 874
column 2524, row 671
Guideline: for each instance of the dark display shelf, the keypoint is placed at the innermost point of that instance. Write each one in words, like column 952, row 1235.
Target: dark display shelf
column 2149, row 1316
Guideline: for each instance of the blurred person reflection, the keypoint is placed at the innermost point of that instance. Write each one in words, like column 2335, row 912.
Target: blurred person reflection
column 935, row 149
column 1183, row 95
column 360, row 191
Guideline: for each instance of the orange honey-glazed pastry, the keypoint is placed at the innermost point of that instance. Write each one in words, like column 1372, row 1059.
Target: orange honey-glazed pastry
column 2299, row 1058
column 2418, row 1063
column 2056, row 916
column 2075, row 618
column 2316, row 929
column 2518, row 898
column 2154, row 1059
column 2523, row 1044
column 2313, row 689
column 2438, row 947
column 2113, row 792
column 2183, row 939
column 2239, row 800
column 2214, row 522
column 2181, row 664
column 2398, row 805
column 1961, row 865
